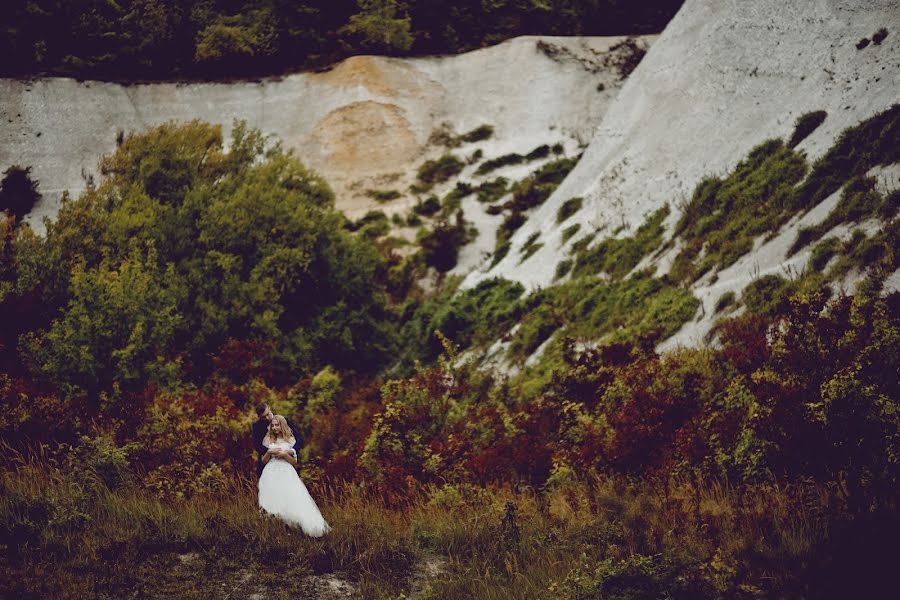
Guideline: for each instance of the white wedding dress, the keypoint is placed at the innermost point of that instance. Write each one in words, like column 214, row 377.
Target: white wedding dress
column 282, row 493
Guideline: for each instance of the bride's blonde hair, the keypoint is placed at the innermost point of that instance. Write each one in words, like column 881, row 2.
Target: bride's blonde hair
column 286, row 432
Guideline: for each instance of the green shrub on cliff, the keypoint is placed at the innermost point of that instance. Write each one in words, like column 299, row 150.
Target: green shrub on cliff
column 183, row 247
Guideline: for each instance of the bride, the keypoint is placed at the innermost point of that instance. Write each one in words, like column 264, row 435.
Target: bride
column 281, row 492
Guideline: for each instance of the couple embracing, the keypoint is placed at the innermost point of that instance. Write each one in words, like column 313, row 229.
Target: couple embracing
column 281, row 491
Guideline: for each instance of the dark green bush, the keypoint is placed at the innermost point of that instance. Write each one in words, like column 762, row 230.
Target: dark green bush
column 875, row 141
column 890, row 206
column 490, row 191
column 183, row 246
column 510, row 224
column 252, row 38
column 18, row 192
column 617, row 256
column 637, row 577
column 725, row 300
column 563, row 268
column 568, row 208
column 373, row 217
column 539, row 152
column 480, row 133
column 858, row 201
column 530, row 246
column 501, row 161
column 568, row 232
column 439, row 170
column 441, row 246
column 430, row 206
column 768, row 295
column 823, row 252
column 806, row 124
column 383, row 195
column 474, row 316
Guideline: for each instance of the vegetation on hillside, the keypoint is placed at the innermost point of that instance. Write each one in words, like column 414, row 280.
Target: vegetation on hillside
column 192, row 282
column 775, row 183
column 165, row 39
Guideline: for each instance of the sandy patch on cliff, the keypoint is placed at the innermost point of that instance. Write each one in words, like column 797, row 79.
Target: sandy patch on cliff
column 361, row 140
column 380, row 75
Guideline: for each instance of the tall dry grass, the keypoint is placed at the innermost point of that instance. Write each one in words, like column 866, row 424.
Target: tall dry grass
column 68, row 535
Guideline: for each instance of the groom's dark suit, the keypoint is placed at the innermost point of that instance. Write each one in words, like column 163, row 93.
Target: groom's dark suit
column 258, row 431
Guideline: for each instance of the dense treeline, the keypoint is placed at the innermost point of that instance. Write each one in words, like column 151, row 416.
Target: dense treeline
column 159, row 39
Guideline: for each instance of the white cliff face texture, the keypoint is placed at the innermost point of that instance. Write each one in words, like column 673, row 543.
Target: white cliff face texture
column 364, row 125
column 723, row 77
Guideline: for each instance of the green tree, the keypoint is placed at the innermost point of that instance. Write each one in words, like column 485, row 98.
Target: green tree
column 381, row 26
column 215, row 246
column 238, row 37
column 18, row 192
column 116, row 328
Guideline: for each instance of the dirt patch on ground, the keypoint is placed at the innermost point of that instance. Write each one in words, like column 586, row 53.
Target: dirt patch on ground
column 382, row 76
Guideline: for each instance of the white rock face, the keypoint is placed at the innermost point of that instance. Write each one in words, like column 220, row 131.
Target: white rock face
column 723, row 77
column 364, row 125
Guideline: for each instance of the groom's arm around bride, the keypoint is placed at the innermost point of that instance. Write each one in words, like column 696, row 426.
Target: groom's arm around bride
column 261, row 427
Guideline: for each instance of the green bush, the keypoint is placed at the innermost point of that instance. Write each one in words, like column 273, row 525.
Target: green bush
column 501, row 161
column 493, row 190
column 768, row 295
column 451, row 202
column 382, row 27
column 858, row 201
column 429, row 207
column 563, row 268
column 383, row 195
column 99, row 461
column 474, row 316
column 582, row 244
column 439, row 170
column 568, row 232
column 823, row 252
column 183, row 246
column 530, row 246
column 617, row 256
column 857, row 150
column 568, row 208
column 805, row 125
column 727, row 215
column 536, row 328
column 480, row 133
column 725, row 300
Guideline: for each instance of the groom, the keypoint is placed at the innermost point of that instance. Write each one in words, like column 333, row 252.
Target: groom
column 261, row 427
